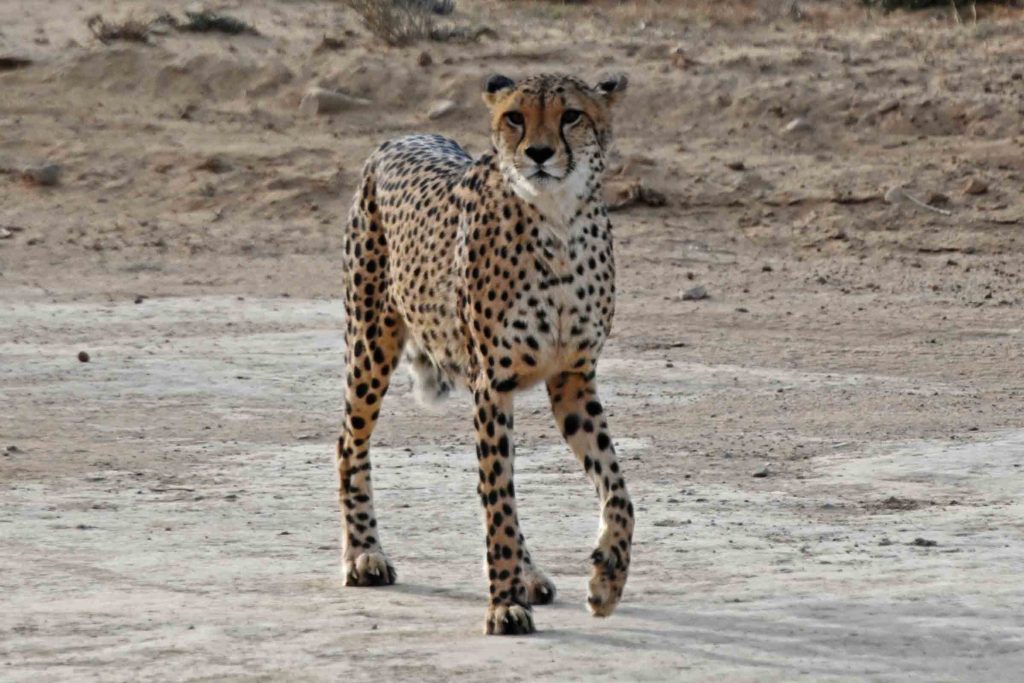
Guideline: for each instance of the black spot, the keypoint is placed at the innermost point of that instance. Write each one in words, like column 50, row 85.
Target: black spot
column 572, row 424
column 509, row 384
column 593, row 408
column 603, row 442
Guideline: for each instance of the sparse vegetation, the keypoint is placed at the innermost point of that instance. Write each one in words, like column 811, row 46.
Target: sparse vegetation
column 208, row 21
column 395, row 22
column 890, row 5
column 134, row 30
column 403, row 22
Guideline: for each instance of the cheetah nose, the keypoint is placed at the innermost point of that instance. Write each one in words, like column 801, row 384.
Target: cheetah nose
column 539, row 153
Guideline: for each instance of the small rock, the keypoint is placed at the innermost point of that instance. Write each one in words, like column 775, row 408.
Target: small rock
column 695, row 293
column 681, row 60
column 5, row 234
column 440, row 108
column 425, row 59
column 975, row 186
column 13, row 449
column 736, row 165
column 329, row 44
column 215, row 164
column 767, row 268
column 924, row 542
column 937, row 199
column 798, row 125
column 886, row 107
column 885, row 541
column 46, row 175
column 139, row 299
column 323, row 101
column 761, row 473
column 83, row 356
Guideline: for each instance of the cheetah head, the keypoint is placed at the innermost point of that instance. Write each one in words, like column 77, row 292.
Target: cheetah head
column 551, row 132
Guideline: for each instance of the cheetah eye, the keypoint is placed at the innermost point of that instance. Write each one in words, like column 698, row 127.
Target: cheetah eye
column 514, row 118
column 571, row 116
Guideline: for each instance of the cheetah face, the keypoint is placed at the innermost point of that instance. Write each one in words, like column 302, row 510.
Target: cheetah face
column 550, row 130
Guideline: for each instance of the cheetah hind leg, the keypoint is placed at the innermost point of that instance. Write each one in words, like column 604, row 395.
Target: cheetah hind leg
column 430, row 383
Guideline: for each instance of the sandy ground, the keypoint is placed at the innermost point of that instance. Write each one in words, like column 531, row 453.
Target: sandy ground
column 168, row 509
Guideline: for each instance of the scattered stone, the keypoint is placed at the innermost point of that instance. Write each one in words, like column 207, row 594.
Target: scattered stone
column 761, row 473
column 83, row 356
column 425, row 59
column 767, row 268
column 736, row 165
column 440, row 108
column 139, row 299
column 5, row 234
column 885, row 541
column 894, row 503
column 46, row 175
column 798, row 125
column 695, row 293
column 886, row 107
column 742, row 309
column 10, row 63
column 329, row 44
column 13, row 449
column 681, row 60
column 924, row 542
column 624, row 195
column 215, row 164
column 937, row 199
column 975, row 186
column 323, row 101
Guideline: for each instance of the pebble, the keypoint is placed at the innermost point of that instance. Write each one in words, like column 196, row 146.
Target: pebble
column 83, row 356
column 695, row 293
column 975, row 186
column 798, row 125
column 736, row 165
column 440, row 108
column 323, row 101
column 46, row 175
column 425, row 59
column 761, row 473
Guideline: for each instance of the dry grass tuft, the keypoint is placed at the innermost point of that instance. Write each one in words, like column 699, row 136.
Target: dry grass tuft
column 396, row 23
column 130, row 29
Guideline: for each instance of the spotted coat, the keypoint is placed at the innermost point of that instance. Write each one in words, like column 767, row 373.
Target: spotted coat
column 491, row 274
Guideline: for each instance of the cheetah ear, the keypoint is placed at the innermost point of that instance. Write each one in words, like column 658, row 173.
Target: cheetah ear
column 495, row 88
column 612, row 87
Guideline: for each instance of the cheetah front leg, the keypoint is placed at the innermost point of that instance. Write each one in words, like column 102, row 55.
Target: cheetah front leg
column 509, row 610
column 580, row 417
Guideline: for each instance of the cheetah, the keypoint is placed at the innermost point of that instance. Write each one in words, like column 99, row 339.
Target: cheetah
column 492, row 275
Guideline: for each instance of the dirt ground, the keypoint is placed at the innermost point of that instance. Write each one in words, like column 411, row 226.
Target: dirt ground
column 825, row 454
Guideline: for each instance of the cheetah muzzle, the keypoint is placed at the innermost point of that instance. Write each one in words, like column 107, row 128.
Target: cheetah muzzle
column 492, row 275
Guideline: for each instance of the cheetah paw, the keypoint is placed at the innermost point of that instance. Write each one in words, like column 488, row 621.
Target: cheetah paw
column 508, row 620
column 540, row 589
column 607, row 579
column 369, row 569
